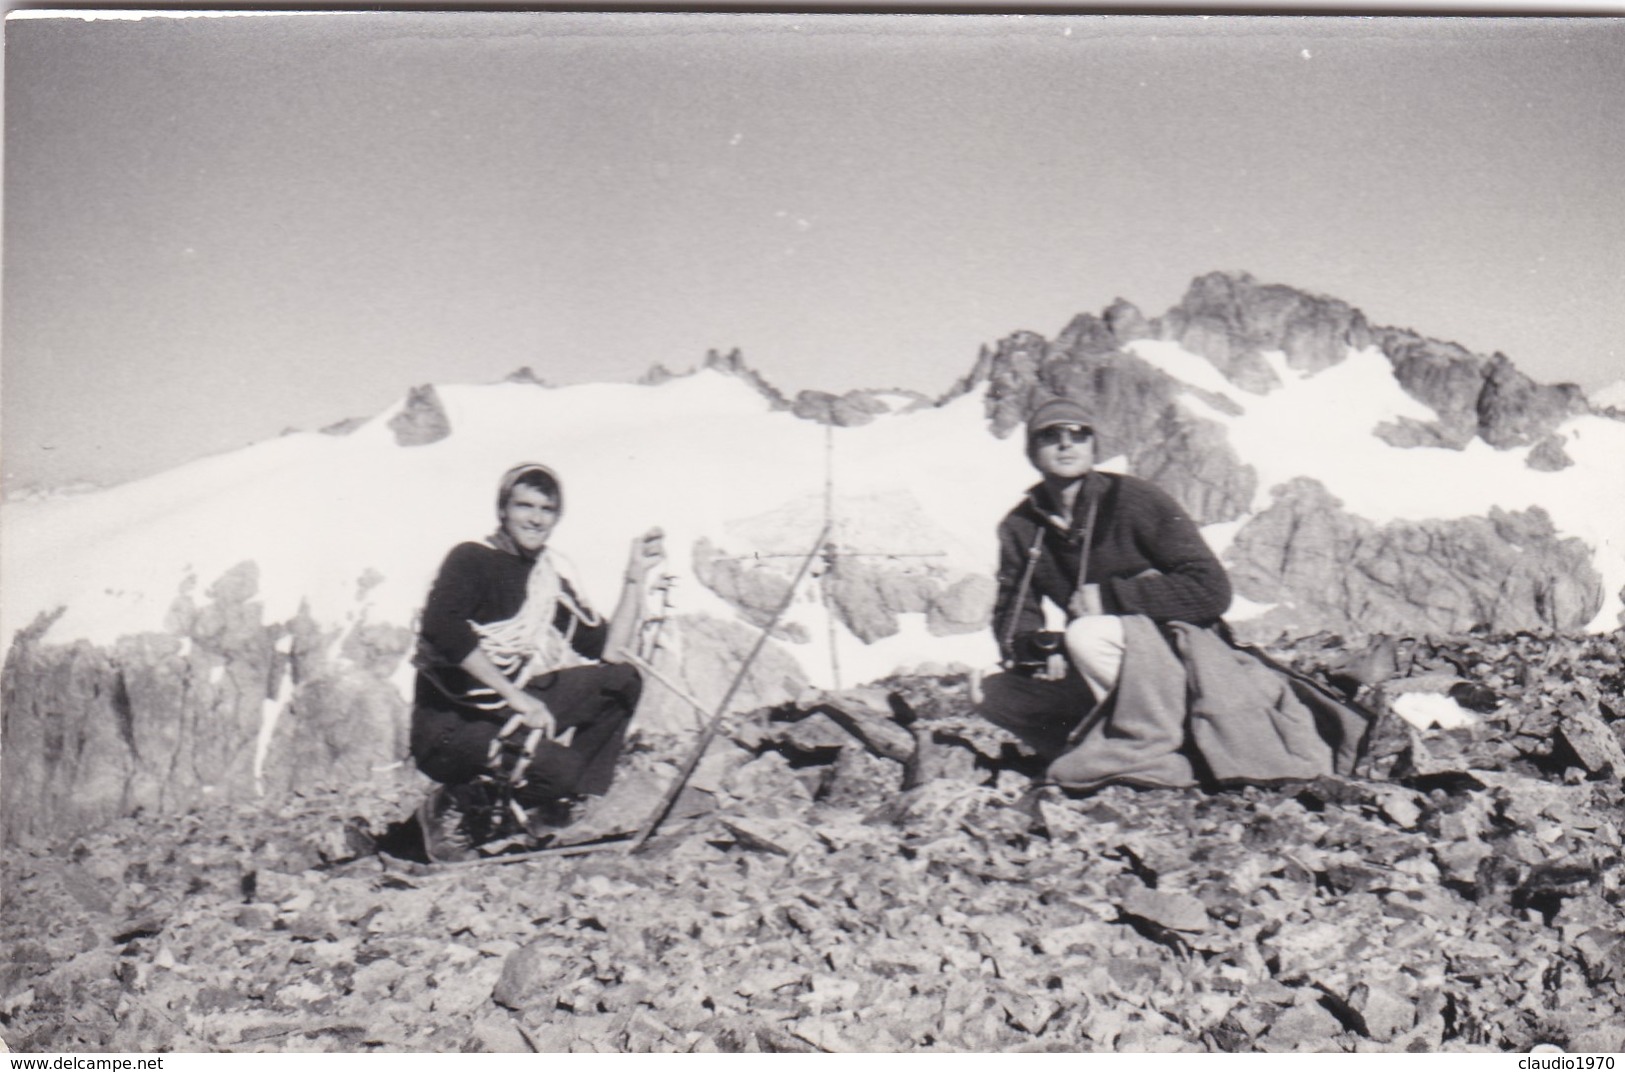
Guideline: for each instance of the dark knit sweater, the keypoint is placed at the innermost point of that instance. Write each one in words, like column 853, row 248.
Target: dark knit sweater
column 1147, row 556
column 478, row 583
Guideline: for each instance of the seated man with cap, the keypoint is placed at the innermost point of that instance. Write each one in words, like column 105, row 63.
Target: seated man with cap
column 1110, row 551
column 513, row 711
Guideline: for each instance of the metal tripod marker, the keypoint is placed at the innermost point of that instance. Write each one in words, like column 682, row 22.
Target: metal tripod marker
column 721, row 712
column 831, row 557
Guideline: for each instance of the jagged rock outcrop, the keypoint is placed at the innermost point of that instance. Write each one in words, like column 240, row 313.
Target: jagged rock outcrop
column 1443, row 376
column 1231, row 319
column 1135, row 406
column 1473, row 395
column 343, row 718
column 166, row 721
column 422, row 420
column 733, row 363
column 1515, row 411
column 1328, row 569
column 524, row 374
column 844, row 411
column 157, row 722
column 1126, row 322
column 655, row 375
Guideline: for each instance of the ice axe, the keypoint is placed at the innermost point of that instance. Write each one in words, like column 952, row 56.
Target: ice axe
column 710, row 732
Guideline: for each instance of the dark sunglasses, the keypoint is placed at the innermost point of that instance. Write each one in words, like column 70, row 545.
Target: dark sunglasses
column 1075, row 433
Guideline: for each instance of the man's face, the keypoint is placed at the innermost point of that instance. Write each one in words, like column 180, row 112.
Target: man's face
column 1066, row 451
column 529, row 517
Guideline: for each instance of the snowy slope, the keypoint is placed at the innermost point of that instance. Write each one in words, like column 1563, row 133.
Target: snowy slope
column 357, row 525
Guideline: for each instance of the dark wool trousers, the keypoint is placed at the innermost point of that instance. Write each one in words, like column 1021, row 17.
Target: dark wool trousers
column 1042, row 713
column 453, row 747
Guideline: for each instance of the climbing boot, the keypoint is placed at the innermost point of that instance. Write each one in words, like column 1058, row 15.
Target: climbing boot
column 444, row 822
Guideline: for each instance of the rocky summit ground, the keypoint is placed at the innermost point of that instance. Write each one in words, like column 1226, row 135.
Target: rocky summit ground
column 1464, row 892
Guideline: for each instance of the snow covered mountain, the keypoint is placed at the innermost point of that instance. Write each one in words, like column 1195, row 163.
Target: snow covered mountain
column 241, row 625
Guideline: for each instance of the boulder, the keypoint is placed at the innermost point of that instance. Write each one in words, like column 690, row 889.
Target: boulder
column 422, row 418
column 1589, row 742
column 1166, row 908
column 1548, row 456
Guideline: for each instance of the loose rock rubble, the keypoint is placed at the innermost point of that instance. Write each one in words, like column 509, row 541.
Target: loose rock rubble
column 1464, row 894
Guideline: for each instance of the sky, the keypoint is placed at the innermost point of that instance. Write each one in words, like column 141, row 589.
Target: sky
column 217, row 229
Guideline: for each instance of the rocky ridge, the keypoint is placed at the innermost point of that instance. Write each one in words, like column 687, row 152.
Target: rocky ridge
column 1464, row 894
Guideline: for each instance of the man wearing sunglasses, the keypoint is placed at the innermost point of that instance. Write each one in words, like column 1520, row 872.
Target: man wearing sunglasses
column 1103, row 548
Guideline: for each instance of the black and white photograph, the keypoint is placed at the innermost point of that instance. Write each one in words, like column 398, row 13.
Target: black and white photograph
column 625, row 532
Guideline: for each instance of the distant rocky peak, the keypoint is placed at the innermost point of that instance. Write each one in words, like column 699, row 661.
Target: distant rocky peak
column 1233, row 320
column 1126, row 321
column 656, row 374
column 525, row 374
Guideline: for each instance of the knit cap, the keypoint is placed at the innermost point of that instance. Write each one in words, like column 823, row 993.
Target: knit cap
column 1058, row 411
column 511, row 478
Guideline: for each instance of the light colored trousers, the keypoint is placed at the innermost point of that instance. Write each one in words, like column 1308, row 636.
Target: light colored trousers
column 1095, row 645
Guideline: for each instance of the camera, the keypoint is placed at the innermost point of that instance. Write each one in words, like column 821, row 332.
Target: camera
column 1032, row 650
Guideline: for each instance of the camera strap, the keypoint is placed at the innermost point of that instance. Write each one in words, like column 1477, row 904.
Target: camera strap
column 1088, row 541
column 1008, row 641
